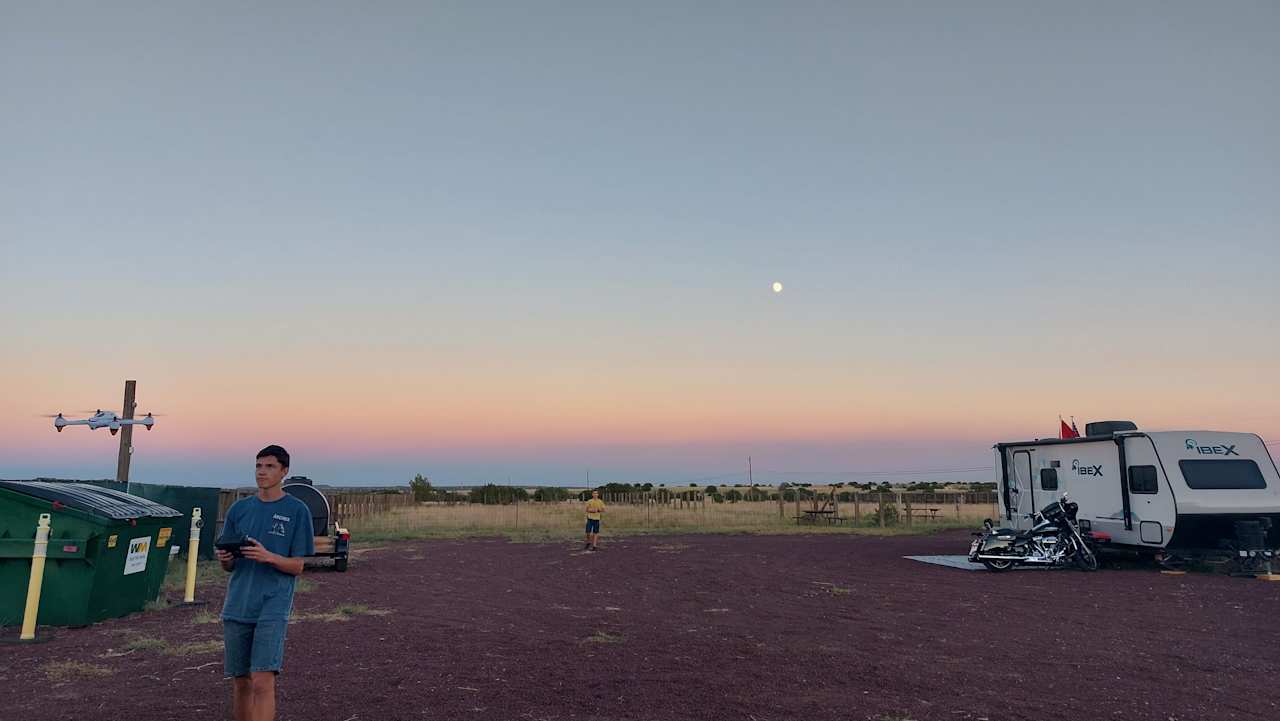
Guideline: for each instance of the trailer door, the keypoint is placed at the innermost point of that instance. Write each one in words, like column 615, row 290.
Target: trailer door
column 1153, row 507
column 1022, row 492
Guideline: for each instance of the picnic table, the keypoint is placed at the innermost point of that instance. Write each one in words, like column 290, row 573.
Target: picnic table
column 825, row 514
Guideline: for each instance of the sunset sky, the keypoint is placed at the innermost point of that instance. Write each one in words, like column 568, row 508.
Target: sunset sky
column 483, row 241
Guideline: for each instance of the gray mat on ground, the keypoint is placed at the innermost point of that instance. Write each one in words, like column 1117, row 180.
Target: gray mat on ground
column 961, row 562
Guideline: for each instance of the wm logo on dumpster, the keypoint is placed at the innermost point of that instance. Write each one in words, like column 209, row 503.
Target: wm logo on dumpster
column 136, row 561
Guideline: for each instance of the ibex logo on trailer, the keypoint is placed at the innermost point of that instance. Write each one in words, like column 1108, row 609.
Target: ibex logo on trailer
column 1086, row 470
column 1211, row 450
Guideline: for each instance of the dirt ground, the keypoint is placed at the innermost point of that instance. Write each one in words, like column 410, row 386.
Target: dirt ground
column 762, row 628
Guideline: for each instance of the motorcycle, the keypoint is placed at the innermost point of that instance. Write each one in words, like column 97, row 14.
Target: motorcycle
column 1054, row 539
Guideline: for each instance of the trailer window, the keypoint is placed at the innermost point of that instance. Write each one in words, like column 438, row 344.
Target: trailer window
column 1222, row 474
column 1048, row 479
column 1142, row 479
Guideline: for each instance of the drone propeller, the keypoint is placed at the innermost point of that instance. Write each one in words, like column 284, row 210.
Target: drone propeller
column 48, row 415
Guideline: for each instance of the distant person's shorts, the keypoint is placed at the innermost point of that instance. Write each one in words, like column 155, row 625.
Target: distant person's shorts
column 253, row 647
column 593, row 525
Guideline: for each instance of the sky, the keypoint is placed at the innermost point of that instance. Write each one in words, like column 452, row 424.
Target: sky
column 535, row 241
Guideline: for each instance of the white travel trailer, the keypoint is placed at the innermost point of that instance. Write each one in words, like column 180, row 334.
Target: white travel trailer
column 1185, row 493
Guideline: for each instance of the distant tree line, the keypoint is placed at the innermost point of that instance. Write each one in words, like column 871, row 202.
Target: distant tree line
column 552, row 494
column 492, row 493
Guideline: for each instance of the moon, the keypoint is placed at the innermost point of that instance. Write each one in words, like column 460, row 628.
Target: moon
column 777, row 287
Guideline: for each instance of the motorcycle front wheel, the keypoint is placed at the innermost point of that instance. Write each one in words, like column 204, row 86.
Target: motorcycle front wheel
column 1086, row 559
column 998, row 566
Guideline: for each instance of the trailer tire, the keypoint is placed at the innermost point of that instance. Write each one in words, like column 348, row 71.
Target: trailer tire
column 997, row 566
column 340, row 565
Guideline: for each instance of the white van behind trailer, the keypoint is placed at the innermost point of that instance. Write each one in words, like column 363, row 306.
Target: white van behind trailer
column 1189, row 494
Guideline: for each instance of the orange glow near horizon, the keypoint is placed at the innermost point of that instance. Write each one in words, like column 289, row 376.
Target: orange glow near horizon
column 491, row 414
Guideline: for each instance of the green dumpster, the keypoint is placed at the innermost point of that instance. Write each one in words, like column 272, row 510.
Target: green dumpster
column 181, row 499
column 108, row 551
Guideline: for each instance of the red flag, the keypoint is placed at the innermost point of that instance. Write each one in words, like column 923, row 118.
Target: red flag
column 1067, row 431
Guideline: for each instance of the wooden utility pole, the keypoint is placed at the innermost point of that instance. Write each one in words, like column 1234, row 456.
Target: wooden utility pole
column 126, row 433
column 750, row 476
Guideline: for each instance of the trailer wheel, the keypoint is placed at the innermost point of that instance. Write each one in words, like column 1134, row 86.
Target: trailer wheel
column 340, row 565
column 997, row 566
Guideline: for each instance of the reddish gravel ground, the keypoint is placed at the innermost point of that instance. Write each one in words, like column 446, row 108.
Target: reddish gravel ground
column 703, row 627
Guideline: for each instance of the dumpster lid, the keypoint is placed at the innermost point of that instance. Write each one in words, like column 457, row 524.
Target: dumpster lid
column 95, row 499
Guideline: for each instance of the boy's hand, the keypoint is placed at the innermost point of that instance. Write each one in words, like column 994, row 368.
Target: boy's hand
column 225, row 559
column 257, row 552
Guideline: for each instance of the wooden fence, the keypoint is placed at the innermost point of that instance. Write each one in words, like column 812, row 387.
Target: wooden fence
column 887, row 508
column 349, row 506
column 345, row 506
column 690, row 498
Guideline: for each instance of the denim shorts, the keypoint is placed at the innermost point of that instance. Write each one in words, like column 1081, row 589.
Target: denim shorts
column 253, row 647
column 593, row 525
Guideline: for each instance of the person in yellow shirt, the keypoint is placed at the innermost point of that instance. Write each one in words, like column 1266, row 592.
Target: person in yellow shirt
column 595, row 507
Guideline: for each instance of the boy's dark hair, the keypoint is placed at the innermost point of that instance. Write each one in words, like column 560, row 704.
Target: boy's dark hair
column 280, row 454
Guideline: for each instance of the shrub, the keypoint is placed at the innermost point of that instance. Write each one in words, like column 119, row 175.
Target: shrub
column 421, row 489
column 491, row 494
column 551, row 495
column 872, row 518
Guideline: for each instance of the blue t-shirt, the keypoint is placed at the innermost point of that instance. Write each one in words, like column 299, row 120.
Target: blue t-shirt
column 257, row 591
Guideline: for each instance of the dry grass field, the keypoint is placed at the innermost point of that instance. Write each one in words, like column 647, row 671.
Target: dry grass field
column 546, row 521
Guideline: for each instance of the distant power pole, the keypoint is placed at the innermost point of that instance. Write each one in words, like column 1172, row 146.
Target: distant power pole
column 126, row 433
column 750, row 477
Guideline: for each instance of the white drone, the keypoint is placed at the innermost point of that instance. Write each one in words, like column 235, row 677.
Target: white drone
column 104, row 419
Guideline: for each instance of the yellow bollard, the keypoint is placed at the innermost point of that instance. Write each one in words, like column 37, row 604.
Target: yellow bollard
column 193, row 548
column 37, row 579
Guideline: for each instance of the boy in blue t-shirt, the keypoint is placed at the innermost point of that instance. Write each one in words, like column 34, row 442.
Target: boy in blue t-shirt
column 255, row 615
